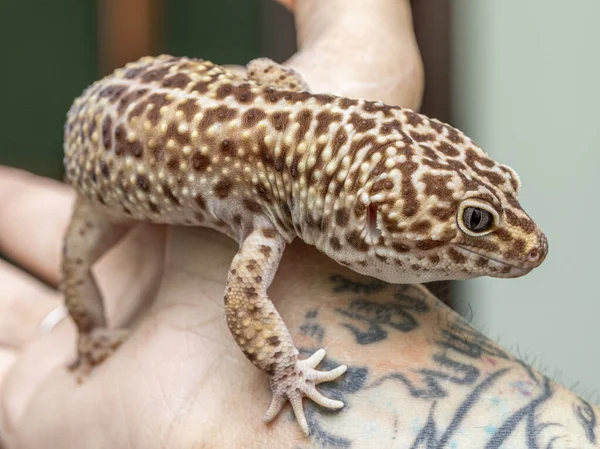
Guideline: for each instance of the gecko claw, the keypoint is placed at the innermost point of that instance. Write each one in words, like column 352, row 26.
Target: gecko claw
column 300, row 381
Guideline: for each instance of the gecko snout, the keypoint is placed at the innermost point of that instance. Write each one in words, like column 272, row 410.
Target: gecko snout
column 537, row 254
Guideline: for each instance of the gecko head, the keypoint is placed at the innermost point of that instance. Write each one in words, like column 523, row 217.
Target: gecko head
column 441, row 215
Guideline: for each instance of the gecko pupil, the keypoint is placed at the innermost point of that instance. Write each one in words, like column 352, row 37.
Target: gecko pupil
column 476, row 219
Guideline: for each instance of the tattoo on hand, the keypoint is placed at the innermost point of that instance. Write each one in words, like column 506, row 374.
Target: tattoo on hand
column 374, row 318
column 587, row 418
column 463, row 363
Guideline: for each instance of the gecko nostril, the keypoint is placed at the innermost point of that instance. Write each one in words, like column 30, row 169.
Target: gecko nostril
column 533, row 255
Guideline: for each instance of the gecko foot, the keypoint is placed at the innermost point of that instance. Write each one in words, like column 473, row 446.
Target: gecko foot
column 300, row 381
column 93, row 348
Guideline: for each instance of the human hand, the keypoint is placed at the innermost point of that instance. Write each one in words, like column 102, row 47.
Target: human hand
column 40, row 397
column 180, row 380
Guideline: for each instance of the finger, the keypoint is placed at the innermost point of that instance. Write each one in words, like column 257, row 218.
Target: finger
column 289, row 4
column 32, row 368
column 24, row 302
column 35, row 215
column 332, row 34
column 7, row 360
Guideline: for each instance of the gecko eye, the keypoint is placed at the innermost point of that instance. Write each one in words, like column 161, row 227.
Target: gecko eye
column 477, row 220
column 477, row 217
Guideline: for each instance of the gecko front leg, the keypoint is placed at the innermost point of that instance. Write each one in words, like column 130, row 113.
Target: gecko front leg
column 261, row 333
column 89, row 236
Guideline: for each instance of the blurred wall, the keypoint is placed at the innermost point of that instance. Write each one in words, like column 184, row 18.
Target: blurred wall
column 48, row 55
column 51, row 51
column 527, row 89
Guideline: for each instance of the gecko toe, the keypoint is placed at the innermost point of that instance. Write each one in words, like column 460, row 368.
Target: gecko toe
column 299, row 382
column 94, row 348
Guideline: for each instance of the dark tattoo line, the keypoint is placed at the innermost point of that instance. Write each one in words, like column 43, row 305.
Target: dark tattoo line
column 397, row 315
column 428, row 433
column 312, row 328
column 343, row 284
column 471, row 343
column 552, row 441
column 508, row 427
column 587, row 418
column 467, row 375
column 468, row 403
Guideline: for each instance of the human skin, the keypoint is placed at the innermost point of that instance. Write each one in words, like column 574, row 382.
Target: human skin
column 419, row 376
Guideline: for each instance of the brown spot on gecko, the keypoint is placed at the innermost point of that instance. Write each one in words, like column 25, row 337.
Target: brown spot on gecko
column 169, row 194
column 437, row 185
column 104, row 169
column 434, row 259
column 400, row 247
column 155, row 75
column 280, row 120
column 447, row 149
column 107, row 132
column 356, row 241
column 201, row 87
column 340, row 138
column 303, row 118
column 143, row 182
column 503, row 234
column 335, row 243
column 409, row 193
column 269, row 233
column 224, row 91
column 426, row 245
column 189, row 108
column 200, row 162
column 456, row 257
column 346, row 103
column 323, row 98
column 361, row 124
column 244, row 95
column 200, row 201
column 341, row 217
column 523, row 223
column 481, row 262
column 324, row 119
column 262, row 192
column 252, row 116
column 113, row 92
column 153, row 207
column 223, row 188
column 252, row 206
column 173, row 163
column 158, row 100
column 220, row 114
column 422, row 137
column 227, row 147
column 274, row 341
column 413, row 118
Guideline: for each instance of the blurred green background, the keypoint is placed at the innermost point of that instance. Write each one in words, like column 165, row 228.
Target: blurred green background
column 50, row 53
column 521, row 78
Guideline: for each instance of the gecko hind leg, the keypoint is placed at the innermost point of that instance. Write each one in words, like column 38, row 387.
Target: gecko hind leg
column 261, row 333
column 89, row 236
column 267, row 72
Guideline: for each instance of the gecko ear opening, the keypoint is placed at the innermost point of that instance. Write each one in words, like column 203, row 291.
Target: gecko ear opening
column 372, row 228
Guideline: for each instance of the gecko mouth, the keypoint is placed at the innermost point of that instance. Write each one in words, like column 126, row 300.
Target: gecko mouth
column 520, row 270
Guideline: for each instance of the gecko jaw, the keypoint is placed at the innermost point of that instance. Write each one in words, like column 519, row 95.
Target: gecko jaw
column 520, row 270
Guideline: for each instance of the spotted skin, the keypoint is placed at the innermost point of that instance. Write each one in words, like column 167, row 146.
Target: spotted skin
column 380, row 189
